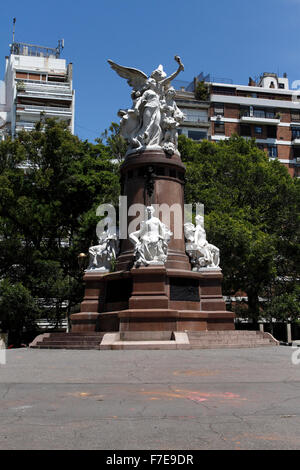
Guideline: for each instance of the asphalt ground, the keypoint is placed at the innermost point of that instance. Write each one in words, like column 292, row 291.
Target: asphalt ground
column 162, row 400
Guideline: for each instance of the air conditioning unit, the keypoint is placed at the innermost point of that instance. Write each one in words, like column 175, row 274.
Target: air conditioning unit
column 251, row 111
column 298, row 160
column 219, row 117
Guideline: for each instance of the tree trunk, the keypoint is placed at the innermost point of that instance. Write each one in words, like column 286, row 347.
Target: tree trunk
column 253, row 305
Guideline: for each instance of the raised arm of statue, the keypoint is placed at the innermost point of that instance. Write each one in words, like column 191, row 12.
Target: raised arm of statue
column 167, row 81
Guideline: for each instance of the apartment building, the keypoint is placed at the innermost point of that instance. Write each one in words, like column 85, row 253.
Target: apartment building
column 37, row 82
column 196, row 124
column 266, row 109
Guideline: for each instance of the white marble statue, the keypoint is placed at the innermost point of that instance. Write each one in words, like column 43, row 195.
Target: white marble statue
column 170, row 121
column 103, row 254
column 152, row 121
column 201, row 253
column 151, row 241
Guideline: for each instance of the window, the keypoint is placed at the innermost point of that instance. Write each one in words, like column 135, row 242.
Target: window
column 245, row 112
column 281, row 85
column 219, row 128
column 218, row 90
column 297, row 155
column 295, row 133
column 195, row 115
column 260, row 113
column 197, row 135
column 219, row 110
column 258, row 130
column 295, row 116
column 272, row 151
column 271, row 132
column 245, row 130
column 270, row 114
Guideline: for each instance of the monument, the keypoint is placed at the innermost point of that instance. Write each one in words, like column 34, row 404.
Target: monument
column 153, row 280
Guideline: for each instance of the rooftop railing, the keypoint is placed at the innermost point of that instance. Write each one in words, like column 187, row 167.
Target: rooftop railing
column 21, row 48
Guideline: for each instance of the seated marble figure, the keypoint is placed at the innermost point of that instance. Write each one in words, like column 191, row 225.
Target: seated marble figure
column 151, row 241
column 202, row 254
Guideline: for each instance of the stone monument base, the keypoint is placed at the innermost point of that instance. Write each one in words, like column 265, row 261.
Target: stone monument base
column 153, row 298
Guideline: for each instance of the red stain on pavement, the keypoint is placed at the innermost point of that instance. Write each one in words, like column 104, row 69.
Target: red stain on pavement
column 196, row 396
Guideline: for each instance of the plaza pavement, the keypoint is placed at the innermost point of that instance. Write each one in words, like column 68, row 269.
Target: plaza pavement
column 160, row 400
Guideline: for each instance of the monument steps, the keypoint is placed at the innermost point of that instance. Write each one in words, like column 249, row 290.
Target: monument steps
column 154, row 340
column 80, row 340
column 230, row 339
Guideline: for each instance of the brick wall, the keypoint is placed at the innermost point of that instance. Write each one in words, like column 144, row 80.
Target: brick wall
column 231, row 128
column 232, row 111
column 284, row 133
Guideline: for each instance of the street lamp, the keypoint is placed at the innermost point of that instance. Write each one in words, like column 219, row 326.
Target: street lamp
column 82, row 258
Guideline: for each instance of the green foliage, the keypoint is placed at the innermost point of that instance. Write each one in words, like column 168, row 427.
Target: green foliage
column 284, row 306
column 202, row 91
column 252, row 214
column 48, row 212
column 18, row 309
column 116, row 143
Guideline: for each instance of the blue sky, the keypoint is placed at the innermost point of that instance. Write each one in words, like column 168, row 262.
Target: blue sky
column 233, row 38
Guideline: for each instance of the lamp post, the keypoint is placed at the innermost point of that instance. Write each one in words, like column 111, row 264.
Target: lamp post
column 81, row 258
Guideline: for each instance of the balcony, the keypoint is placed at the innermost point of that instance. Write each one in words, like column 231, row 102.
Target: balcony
column 195, row 120
column 48, row 110
column 45, row 95
column 30, row 88
column 26, row 81
column 27, row 126
column 272, row 121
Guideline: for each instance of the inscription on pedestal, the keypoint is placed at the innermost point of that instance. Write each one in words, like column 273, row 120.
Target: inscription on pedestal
column 118, row 291
column 184, row 289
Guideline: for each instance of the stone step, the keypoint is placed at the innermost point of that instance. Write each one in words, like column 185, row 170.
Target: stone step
column 80, row 340
column 224, row 333
column 222, row 337
column 74, row 338
column 231, row 341
column 69, row 343
column 162, row 345
column 232, row 346
column 155, row 340
column 65, row 346
column 76, row 335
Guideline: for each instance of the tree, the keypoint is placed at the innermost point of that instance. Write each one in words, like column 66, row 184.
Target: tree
column 116, row 143
column 50, row 186
column 202, row 91
column 19, row 311
column 252, row 213
column 285, row 306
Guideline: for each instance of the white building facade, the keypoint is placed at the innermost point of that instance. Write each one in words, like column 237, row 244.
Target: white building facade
column 37, row 83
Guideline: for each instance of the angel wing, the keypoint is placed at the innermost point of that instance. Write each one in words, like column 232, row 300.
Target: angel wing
column 135, row 78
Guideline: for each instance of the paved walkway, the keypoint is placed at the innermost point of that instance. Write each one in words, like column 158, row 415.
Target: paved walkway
column 163, row 400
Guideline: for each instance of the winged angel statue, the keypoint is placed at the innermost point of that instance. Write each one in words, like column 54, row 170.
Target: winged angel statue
column 153, row 120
